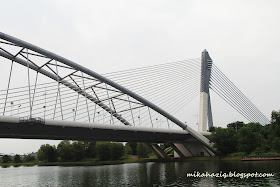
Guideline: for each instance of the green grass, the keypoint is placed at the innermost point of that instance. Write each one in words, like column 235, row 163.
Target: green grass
column 18, row 164
column 153, row 157
column 133, row 159
column 265, row 154
column 237, row 154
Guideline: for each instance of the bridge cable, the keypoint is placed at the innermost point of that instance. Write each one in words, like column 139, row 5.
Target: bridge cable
column 236, row 96
column 232, row 98
column 8, row 87
column 249, row 105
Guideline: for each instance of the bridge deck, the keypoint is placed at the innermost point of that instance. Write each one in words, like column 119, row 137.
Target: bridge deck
column 14, row 127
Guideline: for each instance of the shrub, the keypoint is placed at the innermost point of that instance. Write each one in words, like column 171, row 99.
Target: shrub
column 103, row 150
column 6, row 159
column 128, row 150
column 142, row 150
column 237, row 154
column 116, row 151
column 28, row 158
column 125, row 157
column 17, row 159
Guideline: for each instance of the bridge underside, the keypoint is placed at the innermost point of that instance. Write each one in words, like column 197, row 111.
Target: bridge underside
column 12, row 127
column 183, row 143
column 41, row 131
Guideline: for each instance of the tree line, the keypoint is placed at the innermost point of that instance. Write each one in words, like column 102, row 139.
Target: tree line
column 18, row 159
column 245, row 139
column 74, row 151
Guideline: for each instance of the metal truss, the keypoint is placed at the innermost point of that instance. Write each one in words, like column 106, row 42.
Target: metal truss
column 102, row 98
column 114, row 99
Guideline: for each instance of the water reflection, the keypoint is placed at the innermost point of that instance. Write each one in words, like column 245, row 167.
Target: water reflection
column 141, row 174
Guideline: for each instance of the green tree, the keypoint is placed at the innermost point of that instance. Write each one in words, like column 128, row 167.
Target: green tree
column 274, row 127
column 47, row 153
column 116, row 151
column 225, row 140
column 6, row 159
column 250, row 137
column 17, row 159
column 142, row 150
column 89, row 147
column 103, row 150
column 52, row 154
column 275, row 117
column 28, row 158
column 128, row 150
column 265, row 144
column 258, row 151
column 212, row 129
column 41, row 155
column 65, row 151
column 78, row 150
column 276, row 144
column 133, row 146
column 236, row 125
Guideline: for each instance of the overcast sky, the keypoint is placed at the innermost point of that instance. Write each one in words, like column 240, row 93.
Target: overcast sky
column 242, row 38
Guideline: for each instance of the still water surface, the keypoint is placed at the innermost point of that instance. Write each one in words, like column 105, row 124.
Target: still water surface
column 141, row 174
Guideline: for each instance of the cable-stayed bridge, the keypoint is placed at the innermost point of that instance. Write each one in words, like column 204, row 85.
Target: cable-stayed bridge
column 50, row 97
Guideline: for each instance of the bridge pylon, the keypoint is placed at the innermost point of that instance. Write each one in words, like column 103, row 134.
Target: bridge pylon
column 205, row 112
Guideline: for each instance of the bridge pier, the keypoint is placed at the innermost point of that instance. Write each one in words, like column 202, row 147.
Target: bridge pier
column 157, row 150
column 190, row 149
column 179, row 150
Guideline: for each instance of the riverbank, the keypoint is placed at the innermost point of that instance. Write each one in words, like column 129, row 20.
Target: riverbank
column 18, row 164
column 114, row 162
column 138, row 160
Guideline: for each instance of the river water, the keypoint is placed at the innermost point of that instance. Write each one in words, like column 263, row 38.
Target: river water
column 143, row 174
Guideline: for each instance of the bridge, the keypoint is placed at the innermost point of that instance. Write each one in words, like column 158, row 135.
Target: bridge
column 61, row 99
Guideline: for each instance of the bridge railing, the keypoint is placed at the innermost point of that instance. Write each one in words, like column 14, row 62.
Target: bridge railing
column 31, row 120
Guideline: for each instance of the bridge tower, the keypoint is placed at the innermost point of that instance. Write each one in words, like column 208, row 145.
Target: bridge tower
column 205, row 112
